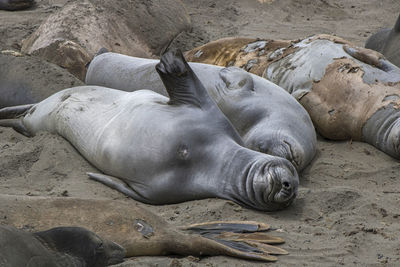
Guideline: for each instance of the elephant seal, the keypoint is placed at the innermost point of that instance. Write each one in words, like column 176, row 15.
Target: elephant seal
column 60, row 246
column 139, row 231
column 13, row 5
column 154, row 143
column 387, row 42
column 350, row 92
column 267, row 118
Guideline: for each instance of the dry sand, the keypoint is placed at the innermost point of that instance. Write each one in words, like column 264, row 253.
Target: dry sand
column 347, row 212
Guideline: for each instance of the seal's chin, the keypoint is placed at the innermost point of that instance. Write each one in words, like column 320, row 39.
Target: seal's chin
column 275, row 185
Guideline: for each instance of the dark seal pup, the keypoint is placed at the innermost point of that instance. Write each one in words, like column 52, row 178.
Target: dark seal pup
column 61, row 246
column 387, row 41
column 154, row 143
column 13, row 5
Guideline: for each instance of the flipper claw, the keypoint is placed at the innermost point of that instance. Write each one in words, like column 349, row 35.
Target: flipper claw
column 228, row 226
column 254, row 237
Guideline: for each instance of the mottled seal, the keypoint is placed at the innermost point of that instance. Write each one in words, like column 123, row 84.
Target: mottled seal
column 140, row 231
column 60, row 246
column 268, row 119
column 387, row 41
column 154, row 143
column 13, row 5
column 350, row 92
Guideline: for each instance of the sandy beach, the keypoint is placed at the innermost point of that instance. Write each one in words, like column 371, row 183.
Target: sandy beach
column 347, row 212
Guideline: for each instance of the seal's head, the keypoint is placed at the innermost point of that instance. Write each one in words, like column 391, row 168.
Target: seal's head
column 262, row 125
column 83, row 244
column 271, row 184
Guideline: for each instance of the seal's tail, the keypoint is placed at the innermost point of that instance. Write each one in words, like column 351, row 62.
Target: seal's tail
column 397, row 25
column 12, row 117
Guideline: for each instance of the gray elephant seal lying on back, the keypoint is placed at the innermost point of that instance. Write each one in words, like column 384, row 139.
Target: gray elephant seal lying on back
column 387, row 42
column 60, row 246
column 166, row 150
column 267, row 118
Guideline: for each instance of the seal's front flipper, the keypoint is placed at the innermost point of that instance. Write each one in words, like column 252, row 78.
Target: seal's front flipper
column 14, row 112
column 17, row 125
column 119, row 186
column 182, row 84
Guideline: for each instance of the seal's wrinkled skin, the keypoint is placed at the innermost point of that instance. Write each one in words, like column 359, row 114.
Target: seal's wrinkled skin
column 387, row 41
column 267, row 118
column 139, row 231
column 154, row 143
column 350, row 92
column 60, row 246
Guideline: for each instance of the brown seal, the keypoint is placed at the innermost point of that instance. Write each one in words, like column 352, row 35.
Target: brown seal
column 139, row 231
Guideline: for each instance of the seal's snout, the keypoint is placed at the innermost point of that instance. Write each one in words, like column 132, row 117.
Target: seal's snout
column 274, row 184
column 284, row 182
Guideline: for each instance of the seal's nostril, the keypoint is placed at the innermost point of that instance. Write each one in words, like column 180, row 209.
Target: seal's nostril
column 286, row 185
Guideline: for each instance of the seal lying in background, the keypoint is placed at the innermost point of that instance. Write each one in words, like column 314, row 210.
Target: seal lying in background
column 27, row 80
column 154, row 143
column 349, row 92
column 13, row 5
column 138, row 230
column 61, row 246
column 387, row 41
column 268, row 119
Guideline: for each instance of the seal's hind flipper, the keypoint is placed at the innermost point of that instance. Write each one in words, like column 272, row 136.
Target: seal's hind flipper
column 119, row 186
column 248, row 237
column 14, row 112
column 252, row 247
column 227, row 226
column 17, row 125
column 253, row 237
column 397, row 25
column 181, row 82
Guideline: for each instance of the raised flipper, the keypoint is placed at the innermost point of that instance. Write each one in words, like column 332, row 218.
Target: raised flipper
column 122, row 187
column 244, row 239
column 14, row 112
